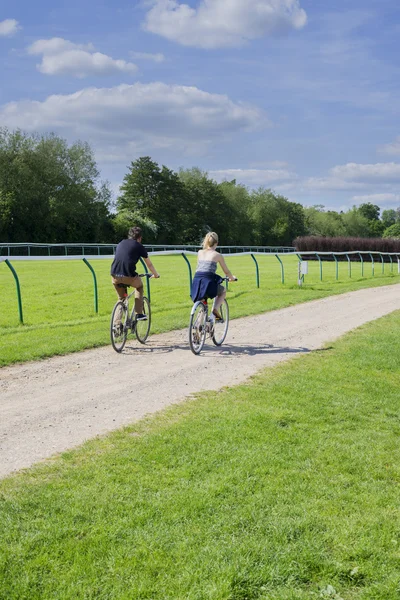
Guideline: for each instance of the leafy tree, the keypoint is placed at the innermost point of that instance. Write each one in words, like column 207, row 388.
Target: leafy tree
column 388, row 217
column 157, row 196
column 125, row 219
column 355, row 224
column 369, row 211
column 207, row 208
column 275, row 220
column 393, row 231
column 321, row 222
column 49, row 191
column 237, row 198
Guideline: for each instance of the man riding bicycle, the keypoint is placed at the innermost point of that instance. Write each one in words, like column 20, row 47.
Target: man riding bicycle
column 123, row 268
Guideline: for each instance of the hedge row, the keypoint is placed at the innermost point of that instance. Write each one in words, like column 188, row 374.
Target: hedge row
column 345, row 244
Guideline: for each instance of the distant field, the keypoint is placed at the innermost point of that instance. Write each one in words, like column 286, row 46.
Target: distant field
column 58, row 299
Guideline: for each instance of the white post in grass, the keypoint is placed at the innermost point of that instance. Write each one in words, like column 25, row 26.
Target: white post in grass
column 303, row 270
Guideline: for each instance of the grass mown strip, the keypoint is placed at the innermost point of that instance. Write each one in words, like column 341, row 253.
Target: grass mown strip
column 284, row 488
column 58, row 299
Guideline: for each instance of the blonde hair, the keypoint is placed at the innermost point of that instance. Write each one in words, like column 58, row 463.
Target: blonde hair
column 210, row 240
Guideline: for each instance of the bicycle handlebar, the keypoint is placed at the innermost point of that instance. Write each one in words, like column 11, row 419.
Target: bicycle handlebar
column 149, row 275
column 227, row 279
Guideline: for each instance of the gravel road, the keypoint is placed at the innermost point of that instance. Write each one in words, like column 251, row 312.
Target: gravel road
column 55, row 404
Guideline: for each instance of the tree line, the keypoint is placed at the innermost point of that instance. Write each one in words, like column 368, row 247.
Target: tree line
column 51, row 192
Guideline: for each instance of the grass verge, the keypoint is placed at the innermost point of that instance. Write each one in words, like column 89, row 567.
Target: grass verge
column 58, row 299
column 286, row 488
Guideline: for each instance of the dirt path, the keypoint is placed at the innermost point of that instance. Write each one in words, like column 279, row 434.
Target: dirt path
column 55, row 404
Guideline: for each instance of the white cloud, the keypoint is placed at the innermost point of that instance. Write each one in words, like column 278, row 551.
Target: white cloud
column 135, row 118
column 158, row 57
column 378, row 198
column 392, row 148
column 8, row 27
column 320, row 184
column 62, row 57
column 253, row 177
column 223, row 23
column 365, row 172
column 269, row 164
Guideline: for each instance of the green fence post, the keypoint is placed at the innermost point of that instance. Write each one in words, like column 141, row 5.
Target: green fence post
column 257, row 270
column 9, row 265
column 349, row 261
column 190, row 271
column 336, row 265
column 362, row 264
column 320, row 266
column 147, row 278
column 391, row 263
column 373, row 264
column 96, row 296
column 282, row 269
column 383, row 263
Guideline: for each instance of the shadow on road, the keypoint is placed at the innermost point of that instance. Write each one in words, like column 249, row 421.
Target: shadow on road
column 225, row 350
column 256, row 349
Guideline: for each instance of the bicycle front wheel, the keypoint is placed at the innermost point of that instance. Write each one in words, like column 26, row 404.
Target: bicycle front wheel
column 221, row 325
column 142, row 328
column 119, row 326
column 197, row 328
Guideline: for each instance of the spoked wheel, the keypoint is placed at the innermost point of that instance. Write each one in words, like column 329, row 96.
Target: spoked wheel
column 119, row 326
column 142, row 328
column 197, row 328
column 221, row 325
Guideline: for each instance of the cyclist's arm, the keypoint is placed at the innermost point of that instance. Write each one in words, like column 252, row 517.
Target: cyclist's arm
column 151, row 267
column 225, row 269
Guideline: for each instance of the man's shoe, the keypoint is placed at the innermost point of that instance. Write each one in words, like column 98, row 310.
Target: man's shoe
column 141, row 317
column 217, row 315
column 118, row 329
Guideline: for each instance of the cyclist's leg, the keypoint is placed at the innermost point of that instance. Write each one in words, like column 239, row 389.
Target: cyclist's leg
column 137, row 283
column 121, row 286
column 219, row 299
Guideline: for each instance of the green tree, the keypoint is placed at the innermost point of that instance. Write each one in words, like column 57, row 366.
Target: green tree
column 371, row 212
column 388, row 217
column 393, row 231
column 275, row 220
column 355, row 224
column 321, row 222
column 237, row 200
column 157, row 196
column 49, row 191
column 207, row 207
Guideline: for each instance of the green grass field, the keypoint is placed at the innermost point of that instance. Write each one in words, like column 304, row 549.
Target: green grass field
column 286, row 488
column 58, row 299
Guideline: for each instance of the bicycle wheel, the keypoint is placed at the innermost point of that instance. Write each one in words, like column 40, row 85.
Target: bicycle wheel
column 142, row 328
column 197, row 328
column 119, row 326
column 221, row 325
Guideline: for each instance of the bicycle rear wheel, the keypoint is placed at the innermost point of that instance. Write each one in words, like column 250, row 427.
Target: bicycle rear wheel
column 119, row 326
column 142, row 328
column 221, row 325
column 197, row 328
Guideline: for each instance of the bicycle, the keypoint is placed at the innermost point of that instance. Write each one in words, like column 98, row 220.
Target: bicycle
column 201, row 324
column 122, row 320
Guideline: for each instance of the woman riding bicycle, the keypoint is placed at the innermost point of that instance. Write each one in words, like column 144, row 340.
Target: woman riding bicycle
column 206, row 282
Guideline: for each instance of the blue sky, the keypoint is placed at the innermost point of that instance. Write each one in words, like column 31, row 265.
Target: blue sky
column 297, row 95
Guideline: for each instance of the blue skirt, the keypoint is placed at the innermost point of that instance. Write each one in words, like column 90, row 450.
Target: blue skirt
column 205, row 285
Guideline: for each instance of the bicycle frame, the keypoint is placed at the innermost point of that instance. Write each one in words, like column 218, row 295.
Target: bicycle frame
column 127, row 299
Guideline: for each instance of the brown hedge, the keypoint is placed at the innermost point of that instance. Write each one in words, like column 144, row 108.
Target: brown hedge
column 345, row 244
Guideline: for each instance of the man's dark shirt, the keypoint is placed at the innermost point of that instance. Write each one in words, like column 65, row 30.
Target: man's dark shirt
column 127, row 255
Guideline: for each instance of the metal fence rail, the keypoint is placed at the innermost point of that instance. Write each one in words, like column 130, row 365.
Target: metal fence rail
column 361, row 257
column 82, row 249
